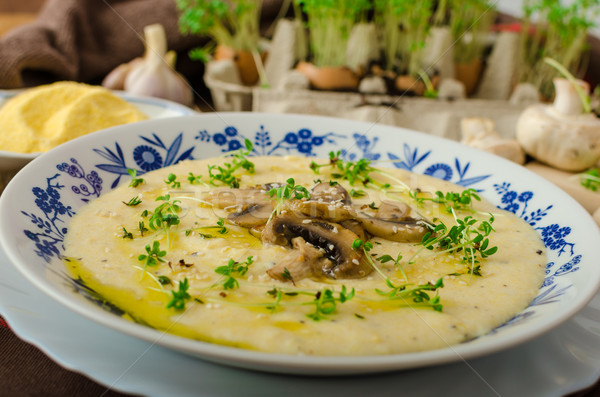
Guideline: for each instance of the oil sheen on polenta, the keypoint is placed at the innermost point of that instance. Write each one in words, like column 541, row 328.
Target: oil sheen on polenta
column 368, row 324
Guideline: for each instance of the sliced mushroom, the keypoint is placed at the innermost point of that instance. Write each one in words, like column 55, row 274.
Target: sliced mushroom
column 409, row 231
column 251, row 215
column 393, row 211
column 330, row 211
column 302, row 261
column 355, row 227
column 392, row 221
column 335, row 240
column 228, row 198
column 324, row 191
column 256, row 231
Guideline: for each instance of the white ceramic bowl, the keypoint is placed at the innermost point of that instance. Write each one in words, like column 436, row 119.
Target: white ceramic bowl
column 153, row 107
column 37, row 205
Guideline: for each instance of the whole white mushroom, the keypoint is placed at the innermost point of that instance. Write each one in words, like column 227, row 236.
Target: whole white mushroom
column 561, row 134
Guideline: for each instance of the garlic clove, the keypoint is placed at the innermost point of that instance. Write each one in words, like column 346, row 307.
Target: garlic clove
column 154, row 76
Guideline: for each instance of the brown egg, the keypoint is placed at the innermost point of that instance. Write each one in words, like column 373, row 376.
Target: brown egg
column 244, row 61
column 329, row 78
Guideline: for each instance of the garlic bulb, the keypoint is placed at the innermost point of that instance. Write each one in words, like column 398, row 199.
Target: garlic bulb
column 154, row 74
column 115, row 80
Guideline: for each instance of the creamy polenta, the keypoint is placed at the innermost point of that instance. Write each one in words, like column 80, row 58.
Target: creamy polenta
column 43, row 117
column 313, row 266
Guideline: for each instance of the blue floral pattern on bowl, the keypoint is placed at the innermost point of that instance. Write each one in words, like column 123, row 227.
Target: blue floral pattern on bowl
column 152, row 152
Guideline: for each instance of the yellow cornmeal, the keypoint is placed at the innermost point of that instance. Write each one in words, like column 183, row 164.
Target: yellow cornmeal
column 244, row 316
column 46, row 116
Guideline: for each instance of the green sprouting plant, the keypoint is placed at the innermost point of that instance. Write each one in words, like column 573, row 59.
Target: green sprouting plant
column 219, row 227
column 179, row 297
column 590, row 179
column 325, row 302
column 153, row 254
column 196, row 180
column 286, row 192
column 132, row 201
column 357, row 172
column 367, row 246
column 165, row 215
column 225, row 174
column 560, row 34
column 403, row 28
column 417, row 294
column 135, row 181
column 469, row 237
column 330, row 23
column 462, row 201
column 172, row 181
column 127, row 234
column 233, row 24
column 470, row 22
column 233, row 267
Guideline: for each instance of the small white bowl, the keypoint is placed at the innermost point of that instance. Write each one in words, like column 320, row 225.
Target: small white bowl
column 38, row 203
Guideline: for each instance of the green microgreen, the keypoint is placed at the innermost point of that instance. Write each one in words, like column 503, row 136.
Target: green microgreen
column 590, row 179
column 325, row 302
column 462, row 201
column 164, row 216
column 233, row 267
column 224, row 174
column 357, row 193
column 135, row 181
column 219, row 226
column 287, row 276
column 153, row 254
column 469, row 237
column 179, row 297
column 287, row 192
column 133, row 201
column 172, row 181
column 417, row 293
column 196, row 179
column 357, row 172
column 127, row 234
column 368, row 246
column 142, row 228
column 164, row 280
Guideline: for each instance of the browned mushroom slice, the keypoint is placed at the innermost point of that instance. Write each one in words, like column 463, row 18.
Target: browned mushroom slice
column 302, row 261
column 393, row 222
column 409, row 231
column 393, row 211
column 251, row 215
column 227, row 198
column 335, row 240
column 355, row 226
column 326, row 192
column 334, row 212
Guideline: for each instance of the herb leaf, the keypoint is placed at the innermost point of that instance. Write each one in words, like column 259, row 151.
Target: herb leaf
column 179, row 297
column 135, row 181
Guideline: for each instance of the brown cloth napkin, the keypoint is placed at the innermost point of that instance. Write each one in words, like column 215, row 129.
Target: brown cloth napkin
column 83, row 40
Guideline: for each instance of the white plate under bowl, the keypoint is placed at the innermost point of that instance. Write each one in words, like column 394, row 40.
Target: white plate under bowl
column 37, row 205
column 154, row 108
